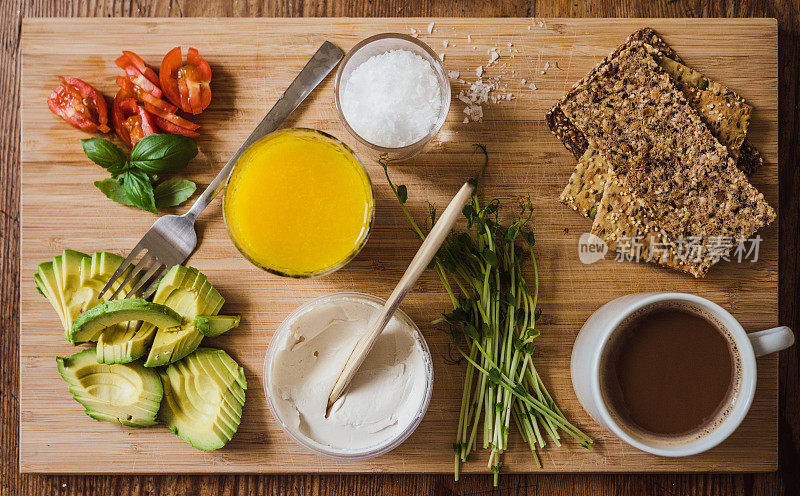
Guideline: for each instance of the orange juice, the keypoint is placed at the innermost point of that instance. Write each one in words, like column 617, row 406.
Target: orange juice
column 299, row 203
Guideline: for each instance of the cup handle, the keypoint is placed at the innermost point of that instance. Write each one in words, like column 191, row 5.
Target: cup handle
column 771, row 340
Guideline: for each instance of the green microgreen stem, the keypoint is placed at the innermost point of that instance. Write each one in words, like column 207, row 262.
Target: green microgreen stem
column 494, row 314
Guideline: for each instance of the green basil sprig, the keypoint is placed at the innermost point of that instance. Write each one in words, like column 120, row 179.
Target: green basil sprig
column 134, row 181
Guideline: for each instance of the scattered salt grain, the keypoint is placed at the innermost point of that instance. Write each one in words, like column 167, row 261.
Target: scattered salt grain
column 522, row 81
column 453, row 74
column 469, row 38
column 441, row 57
column 392, row 99
column 479, row 71
column 445, row 42
column 414, row 33
column 430, row 27
column 533, row 87
column 510, row 44
column 493, row 56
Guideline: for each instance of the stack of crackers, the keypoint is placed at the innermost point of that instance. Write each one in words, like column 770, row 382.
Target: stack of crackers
column 663, row 158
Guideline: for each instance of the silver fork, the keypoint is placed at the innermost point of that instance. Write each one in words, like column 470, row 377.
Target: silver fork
column 172, row 238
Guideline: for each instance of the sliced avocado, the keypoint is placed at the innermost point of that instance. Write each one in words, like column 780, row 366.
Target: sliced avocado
column 67, row 267
column 203, row 398
column 187, row 291
column 124, row 342
column 90, row 325
column 214, row 325
column 46, row 279
column 73, row 280
column 126, row 394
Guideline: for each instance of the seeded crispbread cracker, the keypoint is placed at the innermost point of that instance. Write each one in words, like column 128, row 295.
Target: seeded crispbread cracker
column 681, row 182
column 749, row 158
column 722, row 110
column 587, row 183
column 725, row 113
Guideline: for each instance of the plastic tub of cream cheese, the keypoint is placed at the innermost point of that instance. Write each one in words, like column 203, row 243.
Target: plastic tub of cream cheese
column 385, row 401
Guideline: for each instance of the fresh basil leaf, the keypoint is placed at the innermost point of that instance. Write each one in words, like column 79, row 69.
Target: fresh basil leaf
column 114, row 190
column 105, row 154
column 173, row 192
column 163, row 153
column 139, row 190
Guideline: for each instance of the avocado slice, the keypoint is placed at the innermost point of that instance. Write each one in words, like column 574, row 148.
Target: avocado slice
column 72, row 281
column 45, row 279
column 124, row 342
column 187, row 291
column 126, row 394
column 214, row 325
column 67, row 268
column 91, row 324
column 203, row 398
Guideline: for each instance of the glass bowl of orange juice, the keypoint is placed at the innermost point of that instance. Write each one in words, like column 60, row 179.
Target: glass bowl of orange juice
column 299, row 203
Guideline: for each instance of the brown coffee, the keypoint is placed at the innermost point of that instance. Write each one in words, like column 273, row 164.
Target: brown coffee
column 669, row 372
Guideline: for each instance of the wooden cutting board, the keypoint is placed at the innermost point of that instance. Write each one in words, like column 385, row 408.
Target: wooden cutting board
column 253, row 61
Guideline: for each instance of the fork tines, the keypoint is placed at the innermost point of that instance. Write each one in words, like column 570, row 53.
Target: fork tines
column 149, row 263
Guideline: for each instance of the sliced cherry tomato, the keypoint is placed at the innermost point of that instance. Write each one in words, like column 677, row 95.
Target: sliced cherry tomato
column 186, row 85
column 142, row 96
column 171, row 117
column 80, row 105
column 143, row 68
column 138, row 77
column 131, row 121
column 171, row 128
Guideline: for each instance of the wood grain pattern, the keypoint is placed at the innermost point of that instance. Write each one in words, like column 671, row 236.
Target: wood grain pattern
column 254, row 61
column 786, row 481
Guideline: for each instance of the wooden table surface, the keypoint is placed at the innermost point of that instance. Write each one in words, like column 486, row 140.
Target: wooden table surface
column 785, row 481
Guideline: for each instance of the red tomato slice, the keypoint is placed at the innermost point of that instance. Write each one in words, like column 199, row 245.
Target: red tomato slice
column 186, row 85
column 80, row 105
column 171, row 128
column 143, row 68
column 131, row 121
column 142, row 96
column 119, row 114
column 130, row 58
column 171, row 62
column 171, row 117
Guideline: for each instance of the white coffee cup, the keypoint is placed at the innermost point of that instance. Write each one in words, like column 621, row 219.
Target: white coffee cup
column 602, row 325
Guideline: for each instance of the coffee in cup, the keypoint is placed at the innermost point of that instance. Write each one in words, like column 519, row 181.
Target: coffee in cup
column 672, row 374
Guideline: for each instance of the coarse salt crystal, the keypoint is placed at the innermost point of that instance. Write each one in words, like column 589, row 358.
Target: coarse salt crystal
column 453, row 74
column 392, row 99
column 532, row 86
column 493, row 57
column 479, row 71
column 441, row 57
column 445, row 42
column 430, row 27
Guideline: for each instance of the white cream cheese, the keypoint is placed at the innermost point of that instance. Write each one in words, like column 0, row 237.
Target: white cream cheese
column 385, row 396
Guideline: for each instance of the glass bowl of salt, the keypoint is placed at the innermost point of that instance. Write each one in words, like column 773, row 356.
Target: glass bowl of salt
column 392, row 94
